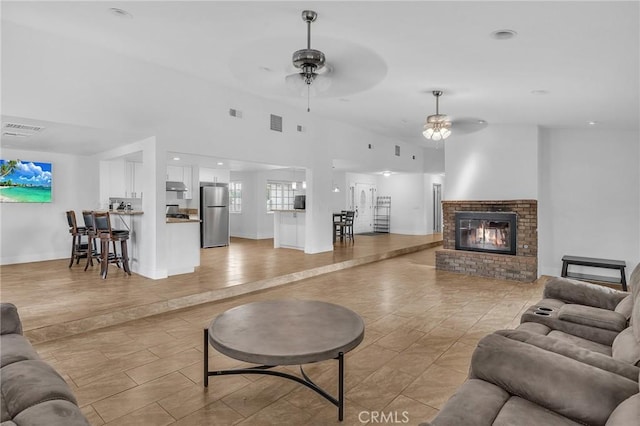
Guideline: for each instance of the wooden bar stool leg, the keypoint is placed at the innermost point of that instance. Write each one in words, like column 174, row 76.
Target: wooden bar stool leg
column 125, row 256
column 73, row 250
column 104, row 265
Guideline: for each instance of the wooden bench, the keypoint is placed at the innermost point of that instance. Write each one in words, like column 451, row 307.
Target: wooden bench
column 595, row 263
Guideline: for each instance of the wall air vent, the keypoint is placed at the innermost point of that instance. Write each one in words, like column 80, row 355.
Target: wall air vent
column 22, row 127
column 398, row 150
column 276, row 123
column 16, row 134
column 235, row 113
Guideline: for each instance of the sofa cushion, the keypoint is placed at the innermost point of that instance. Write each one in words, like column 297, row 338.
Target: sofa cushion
column 627, row 413
column 594, row 317
column 535, row 328
column 52, row 413
column 579, row 341
column 626, row 348
column 583, row 293
column 476, row 402
column 27, row 383
column 570, row 388
column 10, row 320
column 518, row 411
column 14, row 348
column 572, row 351
column 625, row 307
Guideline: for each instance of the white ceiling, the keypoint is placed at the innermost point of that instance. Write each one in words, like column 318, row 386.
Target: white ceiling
column 387, row 57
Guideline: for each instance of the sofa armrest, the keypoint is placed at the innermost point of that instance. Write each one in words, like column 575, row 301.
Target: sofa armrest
column 583, row 293
column 9, row 319
column 568, row 387
column 593, row 317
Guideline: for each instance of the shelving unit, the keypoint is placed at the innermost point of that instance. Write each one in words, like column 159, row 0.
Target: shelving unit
column 382, row 215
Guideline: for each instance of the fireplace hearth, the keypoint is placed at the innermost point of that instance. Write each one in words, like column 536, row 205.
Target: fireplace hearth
column 493, row 232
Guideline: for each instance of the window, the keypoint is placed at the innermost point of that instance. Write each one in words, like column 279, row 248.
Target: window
column 235, row 197
column 280, row 196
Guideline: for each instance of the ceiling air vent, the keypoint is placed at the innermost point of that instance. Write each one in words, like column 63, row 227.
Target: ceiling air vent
column 235, row 113
column 22, row 128
column 398, row 150
column 276, row 123
column 300, row 128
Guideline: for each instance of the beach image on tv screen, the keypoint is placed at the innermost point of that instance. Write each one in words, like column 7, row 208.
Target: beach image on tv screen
column 25, row 182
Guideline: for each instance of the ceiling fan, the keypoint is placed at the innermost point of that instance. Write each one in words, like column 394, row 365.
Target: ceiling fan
column 438, row 126
column 312, row 75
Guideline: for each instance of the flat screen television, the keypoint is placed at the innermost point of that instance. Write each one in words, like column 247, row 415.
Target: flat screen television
column 25, row 182
column 299, row 202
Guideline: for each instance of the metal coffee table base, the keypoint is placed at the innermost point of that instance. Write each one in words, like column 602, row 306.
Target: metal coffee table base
column 264, row 369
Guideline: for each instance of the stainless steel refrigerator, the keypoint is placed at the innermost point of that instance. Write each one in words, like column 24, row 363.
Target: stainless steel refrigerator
column 214, row 215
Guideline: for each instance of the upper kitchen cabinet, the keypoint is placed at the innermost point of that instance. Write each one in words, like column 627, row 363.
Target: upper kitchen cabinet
column 113, row 178
column 133, row 179
column 182, row 174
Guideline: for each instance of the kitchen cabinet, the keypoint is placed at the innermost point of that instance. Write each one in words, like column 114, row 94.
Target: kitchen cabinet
column 133, row 179
column 183, row 247
column 289, row 229
column 115, row 178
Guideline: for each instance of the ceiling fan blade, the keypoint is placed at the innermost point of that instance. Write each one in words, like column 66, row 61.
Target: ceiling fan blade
column 466, row 125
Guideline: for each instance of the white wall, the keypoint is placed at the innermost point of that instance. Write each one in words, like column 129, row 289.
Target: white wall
column 498, row 163
column 589, row 203
column 407, row 202
column 33, row 232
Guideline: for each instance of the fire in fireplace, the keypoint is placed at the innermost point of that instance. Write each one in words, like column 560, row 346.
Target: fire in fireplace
column 493, row 232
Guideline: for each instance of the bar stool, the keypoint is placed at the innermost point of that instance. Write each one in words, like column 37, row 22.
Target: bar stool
column 92, row 237
column 347, row 227
column 108, row 235
column 78, row 248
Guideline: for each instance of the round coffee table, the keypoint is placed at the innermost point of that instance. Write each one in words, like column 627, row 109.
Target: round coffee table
column 285, row 332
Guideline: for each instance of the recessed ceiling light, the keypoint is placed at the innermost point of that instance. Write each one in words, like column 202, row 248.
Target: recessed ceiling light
column 592, row 123
column 220, row 163
column 176, row 158
column 386, row 173
column 120, row 13
column 503, row 34
column 539, row 92
column 266, row 69
column 482, row 122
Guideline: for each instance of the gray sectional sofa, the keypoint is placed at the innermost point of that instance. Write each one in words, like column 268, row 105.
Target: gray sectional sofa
column 574, row 360
column 32, row 392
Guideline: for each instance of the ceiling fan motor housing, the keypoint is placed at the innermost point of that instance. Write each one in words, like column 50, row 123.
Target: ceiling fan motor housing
column 308, row 57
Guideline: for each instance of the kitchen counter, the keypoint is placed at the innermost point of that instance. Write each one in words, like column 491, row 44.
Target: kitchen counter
column 289, row 229
column 178, row 220
column 183, row 246
column 126, row 212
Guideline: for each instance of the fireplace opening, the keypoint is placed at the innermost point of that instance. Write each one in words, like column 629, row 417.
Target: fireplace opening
column 493, row 232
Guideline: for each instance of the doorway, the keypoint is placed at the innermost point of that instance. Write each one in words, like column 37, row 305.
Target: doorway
column 437, row 207
column 363, row 197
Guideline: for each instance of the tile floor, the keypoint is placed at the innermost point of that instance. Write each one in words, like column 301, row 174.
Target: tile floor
column 244, row 266
column 421, row 328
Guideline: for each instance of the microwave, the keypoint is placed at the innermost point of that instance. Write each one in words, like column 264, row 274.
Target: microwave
column 299, row 202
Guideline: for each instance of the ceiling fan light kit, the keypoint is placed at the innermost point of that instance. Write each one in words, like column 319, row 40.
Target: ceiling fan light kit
column 437, row 126
column 309, row 61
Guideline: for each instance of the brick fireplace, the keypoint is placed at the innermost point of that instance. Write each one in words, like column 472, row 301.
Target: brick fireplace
column 523, row 266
